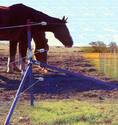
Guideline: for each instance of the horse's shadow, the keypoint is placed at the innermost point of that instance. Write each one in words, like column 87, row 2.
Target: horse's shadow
column 58, row 83
column 8, row 84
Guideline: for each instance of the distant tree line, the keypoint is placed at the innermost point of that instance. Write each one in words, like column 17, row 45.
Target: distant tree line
column 101, row 47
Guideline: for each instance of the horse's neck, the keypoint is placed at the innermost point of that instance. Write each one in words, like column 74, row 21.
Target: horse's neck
column 47, row 18
column 51, row 22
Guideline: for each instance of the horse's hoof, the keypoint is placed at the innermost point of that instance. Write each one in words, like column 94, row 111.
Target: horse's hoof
column 22, row 73
column 44, row 70
column 13, row 69
column 39, row 69
column 17, row 69
column 10, row 71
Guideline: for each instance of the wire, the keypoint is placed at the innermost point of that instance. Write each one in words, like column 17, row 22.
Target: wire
column 20, row 59
column 43, row 23
column 29, row 87
column 26, row 25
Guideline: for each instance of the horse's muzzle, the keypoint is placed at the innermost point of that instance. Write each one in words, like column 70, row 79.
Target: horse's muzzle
column 68, row 46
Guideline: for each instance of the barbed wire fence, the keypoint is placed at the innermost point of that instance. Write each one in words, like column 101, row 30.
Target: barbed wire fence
column 108, row 64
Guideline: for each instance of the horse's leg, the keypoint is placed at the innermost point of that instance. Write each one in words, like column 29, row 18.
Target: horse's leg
column 40, row 43
column 41, row 56
column 22, row 52
column 11, row 65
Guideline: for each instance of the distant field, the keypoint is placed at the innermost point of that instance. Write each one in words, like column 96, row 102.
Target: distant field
column 105, row 62
column 4, row 48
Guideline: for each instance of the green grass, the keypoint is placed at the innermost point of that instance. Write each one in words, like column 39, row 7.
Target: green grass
column 67, row 112
column 107, row 66
column 106, row 63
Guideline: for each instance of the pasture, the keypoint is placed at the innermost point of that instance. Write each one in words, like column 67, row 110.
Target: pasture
column 65, row 100
column 106, row 63
column 66, row 112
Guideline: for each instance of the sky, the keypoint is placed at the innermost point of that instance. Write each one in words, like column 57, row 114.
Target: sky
column 88, row 20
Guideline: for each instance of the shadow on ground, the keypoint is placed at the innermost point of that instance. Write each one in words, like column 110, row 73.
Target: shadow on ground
column 59, row 83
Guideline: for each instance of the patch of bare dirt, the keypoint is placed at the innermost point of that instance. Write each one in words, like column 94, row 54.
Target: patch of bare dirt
column 58, row 85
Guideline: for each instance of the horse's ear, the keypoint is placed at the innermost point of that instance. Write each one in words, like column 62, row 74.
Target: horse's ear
column 64, row 19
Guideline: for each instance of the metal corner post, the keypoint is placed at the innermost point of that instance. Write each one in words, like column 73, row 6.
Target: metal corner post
column 30, row 61
column 27, row 75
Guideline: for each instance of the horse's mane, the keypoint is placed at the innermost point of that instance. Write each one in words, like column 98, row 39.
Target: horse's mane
column 43, row 15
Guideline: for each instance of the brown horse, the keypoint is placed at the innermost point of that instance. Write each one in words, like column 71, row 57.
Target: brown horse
column 40, row 42
column 18, row 15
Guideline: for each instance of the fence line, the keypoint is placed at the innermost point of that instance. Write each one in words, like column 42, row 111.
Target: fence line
column 43, row 23
column 109, row 64
column 25, row 25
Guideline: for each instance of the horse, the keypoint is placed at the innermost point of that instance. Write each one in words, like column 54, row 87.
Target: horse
column 18, row 14
column 40, row 42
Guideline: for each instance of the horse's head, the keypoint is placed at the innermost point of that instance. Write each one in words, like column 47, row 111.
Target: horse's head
column 55, row 25
column 62, row 33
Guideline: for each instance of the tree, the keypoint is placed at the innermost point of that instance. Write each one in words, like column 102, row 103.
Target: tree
column 113, row 47
column 99, row 46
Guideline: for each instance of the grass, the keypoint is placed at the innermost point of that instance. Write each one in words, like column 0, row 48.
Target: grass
column 66, row 112
column 69, row 112
column 62, row 112
column 106, row 63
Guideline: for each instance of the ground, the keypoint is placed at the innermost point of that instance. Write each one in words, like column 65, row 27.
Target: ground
column 89, row 85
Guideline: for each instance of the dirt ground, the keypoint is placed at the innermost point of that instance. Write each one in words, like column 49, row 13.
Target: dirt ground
column 90, row 84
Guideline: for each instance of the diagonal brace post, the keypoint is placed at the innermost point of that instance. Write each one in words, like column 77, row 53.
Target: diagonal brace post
column 17, row 96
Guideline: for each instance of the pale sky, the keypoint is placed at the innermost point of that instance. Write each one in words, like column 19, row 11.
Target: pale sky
column 88, row 20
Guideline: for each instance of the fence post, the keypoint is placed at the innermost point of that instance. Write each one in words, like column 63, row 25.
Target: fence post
column 27, row 75
column 30, row 56
column 17, row 96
